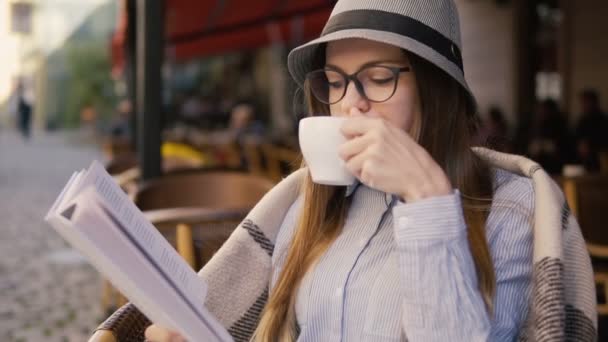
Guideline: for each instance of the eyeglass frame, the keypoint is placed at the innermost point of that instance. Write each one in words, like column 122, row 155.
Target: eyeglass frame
column 353, row 77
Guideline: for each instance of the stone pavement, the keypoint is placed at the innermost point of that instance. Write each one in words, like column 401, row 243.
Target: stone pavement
column 47, row 291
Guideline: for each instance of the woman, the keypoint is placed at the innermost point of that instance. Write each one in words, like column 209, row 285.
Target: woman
column 431, row 244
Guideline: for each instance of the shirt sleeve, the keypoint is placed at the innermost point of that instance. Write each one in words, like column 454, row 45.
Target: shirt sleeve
column 441, row 300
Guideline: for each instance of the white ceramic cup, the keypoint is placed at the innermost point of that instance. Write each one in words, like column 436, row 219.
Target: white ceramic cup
column 320, row 138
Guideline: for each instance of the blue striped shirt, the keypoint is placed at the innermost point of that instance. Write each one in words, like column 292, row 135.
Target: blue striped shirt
column 404, row 272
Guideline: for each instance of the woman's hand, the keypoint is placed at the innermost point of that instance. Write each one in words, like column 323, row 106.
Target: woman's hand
column 386, row 158
column 154, row 333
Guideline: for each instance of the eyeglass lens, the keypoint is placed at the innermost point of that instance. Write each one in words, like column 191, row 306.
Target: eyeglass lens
column 329, row 86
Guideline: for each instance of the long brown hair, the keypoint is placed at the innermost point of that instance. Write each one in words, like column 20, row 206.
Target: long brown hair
column 445, row 128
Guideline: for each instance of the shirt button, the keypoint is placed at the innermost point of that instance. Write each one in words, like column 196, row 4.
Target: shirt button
column 339, row 292
column 362, row 242
column 404, row 221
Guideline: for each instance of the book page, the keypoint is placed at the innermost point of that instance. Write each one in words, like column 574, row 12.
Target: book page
column 63, row 196
column 121, row 206
column 96, row 256
column 161, row 297
column 72, row 189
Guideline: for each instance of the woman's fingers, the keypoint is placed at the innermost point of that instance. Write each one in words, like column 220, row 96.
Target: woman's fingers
column 354, row 147
column 356, row 126
column 387, row 158
column 355, row 164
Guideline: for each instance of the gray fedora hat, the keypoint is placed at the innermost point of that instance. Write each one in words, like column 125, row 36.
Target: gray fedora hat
column 427, row 28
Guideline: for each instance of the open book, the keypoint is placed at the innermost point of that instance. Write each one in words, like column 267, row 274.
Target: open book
column 97, row 218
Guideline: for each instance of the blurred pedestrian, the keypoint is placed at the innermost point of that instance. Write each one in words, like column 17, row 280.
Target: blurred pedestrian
column 120, row 127
column 24, row 110
column 245, row 122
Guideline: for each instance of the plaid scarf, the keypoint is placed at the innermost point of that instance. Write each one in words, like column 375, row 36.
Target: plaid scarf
column 563, row 303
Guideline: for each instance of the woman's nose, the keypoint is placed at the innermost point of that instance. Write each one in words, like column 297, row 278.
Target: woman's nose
column 353, row 98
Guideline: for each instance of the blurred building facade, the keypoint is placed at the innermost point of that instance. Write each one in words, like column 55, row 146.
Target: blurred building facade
column 16, row 37
column 30, row 32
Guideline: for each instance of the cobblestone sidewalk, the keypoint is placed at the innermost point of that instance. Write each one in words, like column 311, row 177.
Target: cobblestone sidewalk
column 47, row 291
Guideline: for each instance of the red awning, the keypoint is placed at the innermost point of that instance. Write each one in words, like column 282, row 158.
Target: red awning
column 117, row 50
column 198, row 28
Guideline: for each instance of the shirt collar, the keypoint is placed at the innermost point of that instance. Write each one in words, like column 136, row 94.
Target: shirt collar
column 350, row 189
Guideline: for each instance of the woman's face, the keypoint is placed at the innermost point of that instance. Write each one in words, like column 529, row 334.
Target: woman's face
column 349, row 56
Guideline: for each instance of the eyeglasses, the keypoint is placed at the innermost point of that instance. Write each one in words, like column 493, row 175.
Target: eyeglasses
column 375, row 83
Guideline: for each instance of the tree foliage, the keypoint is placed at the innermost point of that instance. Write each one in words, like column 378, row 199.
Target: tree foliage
column 88, row 82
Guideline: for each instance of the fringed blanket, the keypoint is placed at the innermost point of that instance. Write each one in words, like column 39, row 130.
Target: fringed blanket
column 563, row 306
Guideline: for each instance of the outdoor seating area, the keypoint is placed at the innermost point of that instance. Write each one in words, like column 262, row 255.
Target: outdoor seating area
column 192, row 148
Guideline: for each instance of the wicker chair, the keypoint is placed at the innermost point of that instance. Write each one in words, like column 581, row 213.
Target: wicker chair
column 281, row 161
column 588, row 199
column 196, row 212
column 125, row 170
